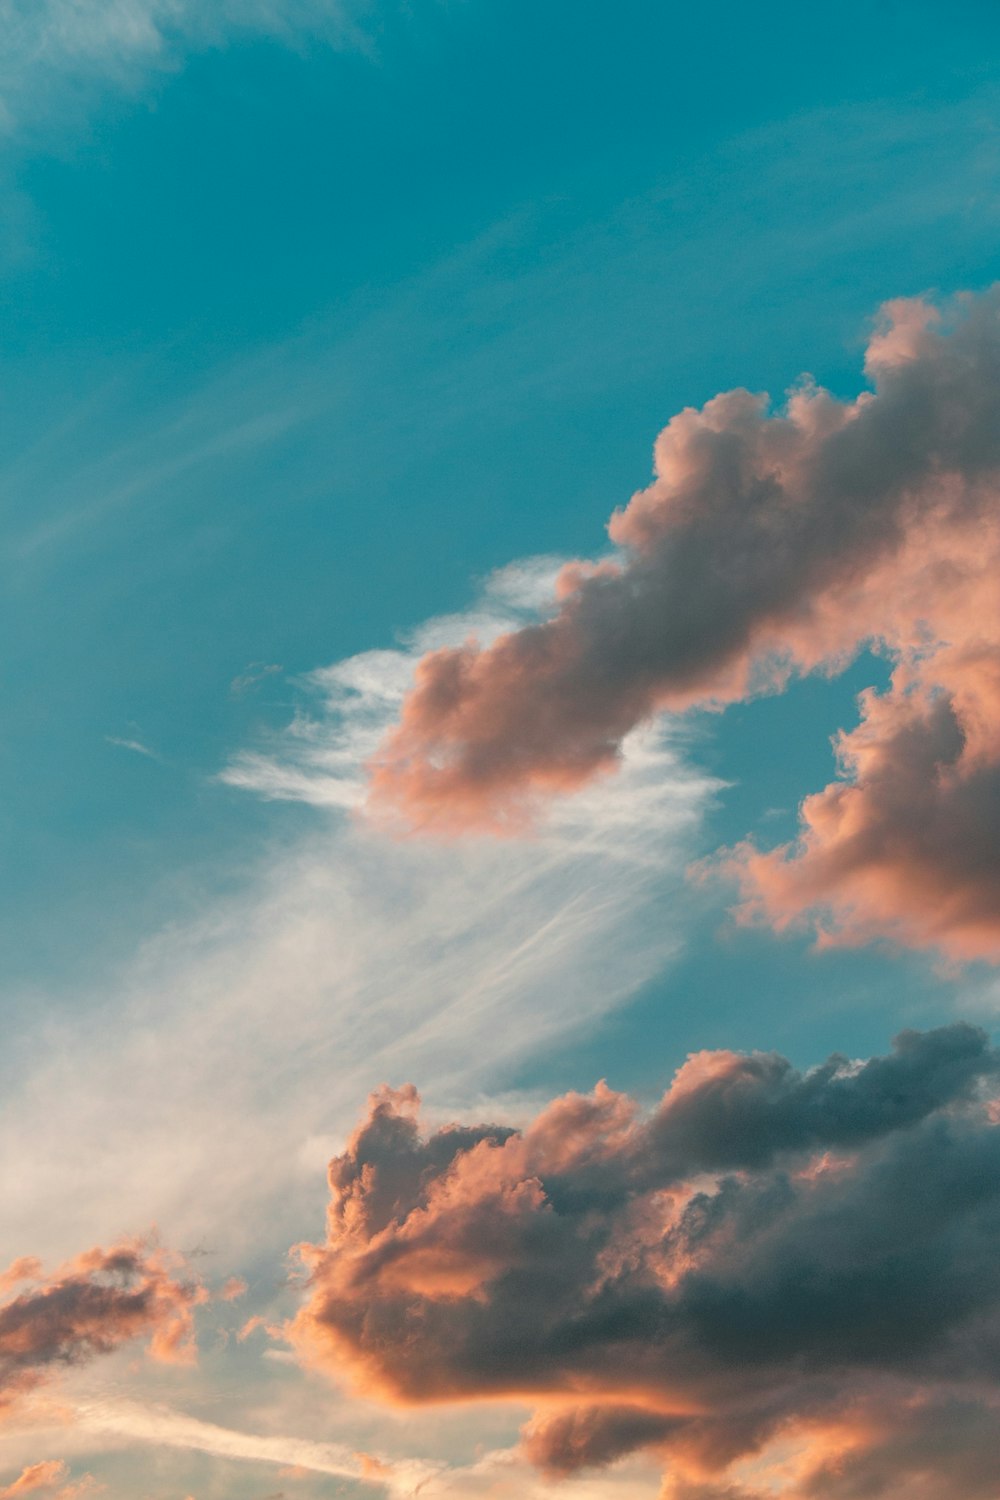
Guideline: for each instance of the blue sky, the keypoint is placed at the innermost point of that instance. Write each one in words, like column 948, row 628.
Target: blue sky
column 313, row 319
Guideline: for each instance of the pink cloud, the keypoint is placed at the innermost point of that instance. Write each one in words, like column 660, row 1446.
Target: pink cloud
column 772, row 543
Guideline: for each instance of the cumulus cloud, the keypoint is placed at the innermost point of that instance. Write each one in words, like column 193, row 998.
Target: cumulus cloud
column 772, row 543
column 769, row 1257
column 91, row 1306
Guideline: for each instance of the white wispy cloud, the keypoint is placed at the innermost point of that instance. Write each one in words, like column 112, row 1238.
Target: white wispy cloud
column 204, row 1089
column 136, row 746
column 495, row 1473
column 502, row 1474
column 53, row 51
column 159, row 1425
column 253, row 675
column 321, row 758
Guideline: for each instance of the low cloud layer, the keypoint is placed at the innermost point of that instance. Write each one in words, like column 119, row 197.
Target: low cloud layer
column 772, row 543
column 770, row 1260
column 89, row 1307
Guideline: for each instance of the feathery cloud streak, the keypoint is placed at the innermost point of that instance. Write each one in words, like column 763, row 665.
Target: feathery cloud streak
column 772, row 543
column 769, row 1255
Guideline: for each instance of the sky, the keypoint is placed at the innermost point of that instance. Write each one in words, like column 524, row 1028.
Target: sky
column 499, row 547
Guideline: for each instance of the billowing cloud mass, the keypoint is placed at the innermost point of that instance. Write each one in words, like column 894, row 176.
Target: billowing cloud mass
column 772, row 543
column 771, row 1262
column 90, row 1306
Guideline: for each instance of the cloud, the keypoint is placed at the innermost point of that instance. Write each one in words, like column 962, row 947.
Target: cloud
column 91, row 1306
column 239, row 1040
column 48, row 1479
column 255, row 1024
column 36, row 1477
column 255, row 673
column 136, row 746
column 160, row 1426
column 772, row 543
column 905, row 845
column 57, row 48
column 936, row 1445
column 769, row 1257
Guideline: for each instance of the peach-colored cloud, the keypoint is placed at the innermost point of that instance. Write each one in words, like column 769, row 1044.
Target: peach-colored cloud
column 91, row 1306
column 49, row 1479
column 699, row 1280
column 772, row 543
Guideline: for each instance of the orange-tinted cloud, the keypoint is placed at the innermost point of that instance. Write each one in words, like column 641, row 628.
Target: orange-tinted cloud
column 772, row 543
column 733, row 1269
column 91, row 1306
column 885, row 1442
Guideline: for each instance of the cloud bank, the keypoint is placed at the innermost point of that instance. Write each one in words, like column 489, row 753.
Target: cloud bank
column 771, row 1259
column 91, row 1306
column 772, row 543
